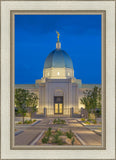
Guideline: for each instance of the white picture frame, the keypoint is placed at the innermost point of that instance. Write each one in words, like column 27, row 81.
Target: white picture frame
column 6, row 8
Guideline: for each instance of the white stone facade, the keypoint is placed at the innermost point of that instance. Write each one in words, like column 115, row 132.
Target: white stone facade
column 58, row 73
column 57, row 87
column 70, row 89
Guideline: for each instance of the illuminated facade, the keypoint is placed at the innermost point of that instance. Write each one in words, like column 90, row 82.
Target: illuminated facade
column 58, row 90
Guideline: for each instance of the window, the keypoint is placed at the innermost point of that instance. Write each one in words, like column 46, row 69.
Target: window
column 58, row 73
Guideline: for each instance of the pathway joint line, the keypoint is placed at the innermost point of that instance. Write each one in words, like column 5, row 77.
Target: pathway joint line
column 81, row 141
column 38, row 137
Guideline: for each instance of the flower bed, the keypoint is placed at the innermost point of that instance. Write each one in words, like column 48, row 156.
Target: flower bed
column 27, row 122
column 58, row 137
column 89, row 121
column 59, row 121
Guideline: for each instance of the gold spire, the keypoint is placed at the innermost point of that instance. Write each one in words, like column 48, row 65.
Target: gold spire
column 58, row 35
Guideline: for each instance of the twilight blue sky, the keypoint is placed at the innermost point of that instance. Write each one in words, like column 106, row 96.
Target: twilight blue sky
column 35, row 38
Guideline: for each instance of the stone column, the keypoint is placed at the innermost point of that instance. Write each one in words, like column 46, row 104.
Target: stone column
column 71, row 112
column 45, row 112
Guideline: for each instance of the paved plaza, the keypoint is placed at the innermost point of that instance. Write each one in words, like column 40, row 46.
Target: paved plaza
column 30, row 133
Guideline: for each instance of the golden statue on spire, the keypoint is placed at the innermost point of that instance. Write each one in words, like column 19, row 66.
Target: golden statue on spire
column 58, row 35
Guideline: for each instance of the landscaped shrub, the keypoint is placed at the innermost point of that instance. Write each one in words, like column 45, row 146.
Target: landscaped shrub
column 87, row 122
column 48, row 133
column 89, row 119
column 54, row 121
column 19, row 123
column 60, row 142
column 59, row 132
column 82, row 119
column 49, row 129
column 28, row 121
column 73, row 140
column 94, row 121
column 69, row 134
column 57, row 140
column 34, row 120
column 63, row 121
column 59, row 121
column 45, row 140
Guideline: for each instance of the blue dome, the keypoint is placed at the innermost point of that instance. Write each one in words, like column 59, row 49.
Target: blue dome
column 58, row 58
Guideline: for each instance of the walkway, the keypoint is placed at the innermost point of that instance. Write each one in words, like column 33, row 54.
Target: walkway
column 30, row 133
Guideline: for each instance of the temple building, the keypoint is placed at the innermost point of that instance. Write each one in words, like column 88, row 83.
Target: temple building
column 58, row 90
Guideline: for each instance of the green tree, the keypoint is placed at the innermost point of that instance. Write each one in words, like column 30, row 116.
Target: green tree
column 98, row 109
column 99, row 98
column 32, row 101
column 20, row 101
column 92, row 100
column 96, row 100
column 86, row 100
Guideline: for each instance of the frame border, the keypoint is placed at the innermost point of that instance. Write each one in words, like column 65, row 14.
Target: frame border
column 103, row 76
column 1, row 75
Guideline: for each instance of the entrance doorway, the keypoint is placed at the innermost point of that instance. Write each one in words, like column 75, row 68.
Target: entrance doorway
column 58, row 105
